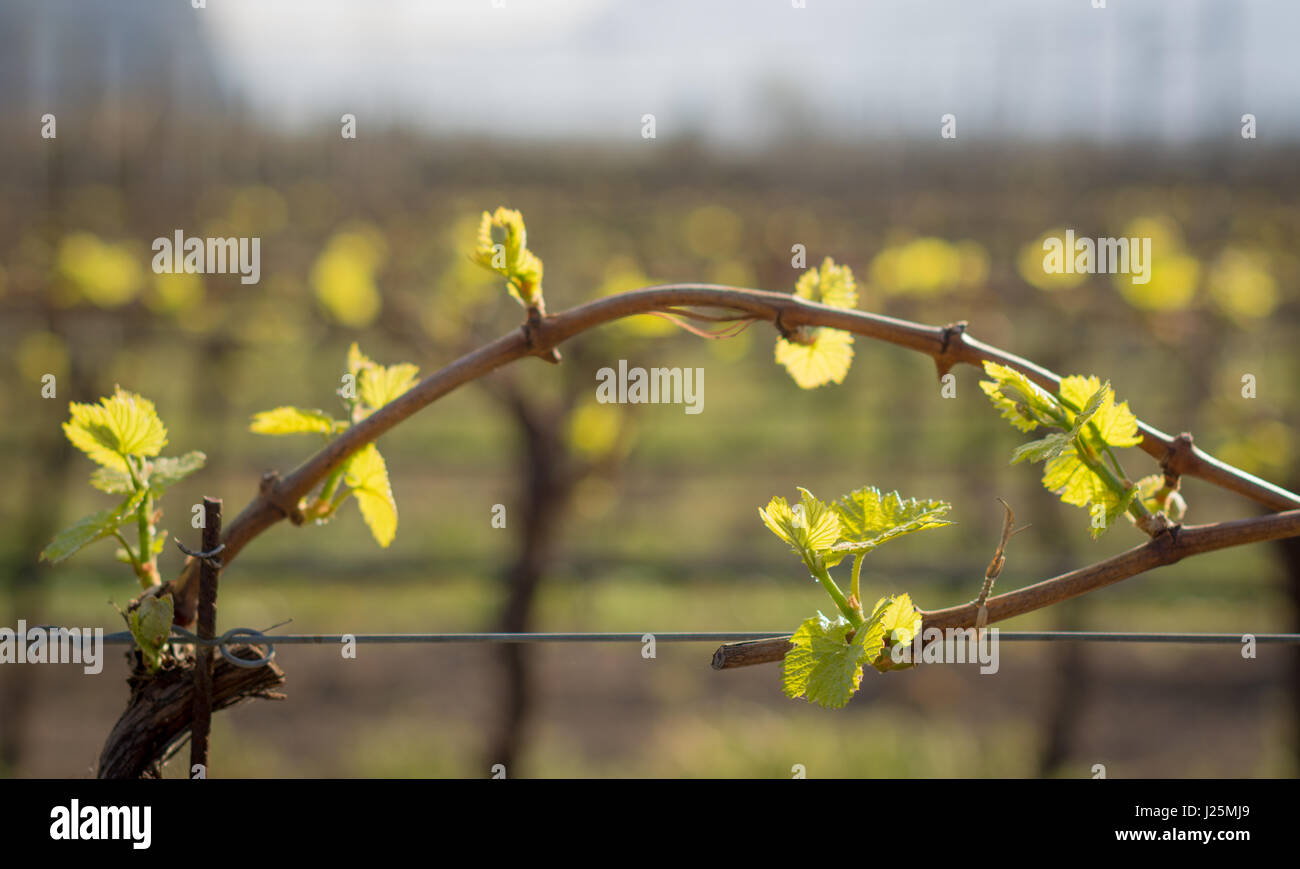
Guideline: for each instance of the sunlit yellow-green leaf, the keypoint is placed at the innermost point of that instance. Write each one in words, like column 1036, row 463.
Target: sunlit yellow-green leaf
column 1174, row 505
column 124, row 424
column 1115, row 504
column 829, row 284
column 900, row 622
column 820, row 355
column 1068, row 477
column 502, row 247
column 1025, row 404
column 291, row 420
column 825, row 360
column 377, row 385
column 1074, row 483
column 809, row 527
column 367, row 476
column 869, row 517
column 357, row 361
column 823, row 665
column 1115, row 422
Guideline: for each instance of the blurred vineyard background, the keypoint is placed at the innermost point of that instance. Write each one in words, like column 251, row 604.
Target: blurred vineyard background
column 640, row 518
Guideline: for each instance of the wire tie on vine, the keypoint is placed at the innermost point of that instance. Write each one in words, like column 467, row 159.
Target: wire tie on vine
column 210, row 556
column 251, row 636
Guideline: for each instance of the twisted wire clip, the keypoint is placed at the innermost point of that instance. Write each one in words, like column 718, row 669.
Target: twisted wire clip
column 256, row 637
column 210, row 556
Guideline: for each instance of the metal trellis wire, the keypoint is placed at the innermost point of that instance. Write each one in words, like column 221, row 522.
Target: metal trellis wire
column 259, row 638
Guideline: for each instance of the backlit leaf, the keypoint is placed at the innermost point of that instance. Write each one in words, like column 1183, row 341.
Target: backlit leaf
column 825, row 360
column 900, row 622
column 1074, row 483
column 821, row 355
column 158, row 473
column 824, row 666
column 357, row 361
column 1174, row 507
column 124, row 424
column 1044, row 448
column 292, row 420
column 830, row 284
column 869, row 518
column 809, row 527
column 1025, row 404
column 512, row 260
column 1115, row 422
column 377, row 385
column 367, row 476
column 94, row 527
column 1069, row 478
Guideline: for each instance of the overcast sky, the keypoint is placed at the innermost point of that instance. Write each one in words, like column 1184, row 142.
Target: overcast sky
column 735, row 71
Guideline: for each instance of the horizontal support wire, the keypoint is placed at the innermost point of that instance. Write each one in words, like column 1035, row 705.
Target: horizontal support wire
column 251, row 636
column 243, row 634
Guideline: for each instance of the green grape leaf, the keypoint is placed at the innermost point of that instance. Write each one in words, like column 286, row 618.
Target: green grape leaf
column 1074, row 483
column 124, row 424
column 1069, row 479
column 1115, row 423
column 151, row 625
column 826, row 359
column 1174, row 507
column 94, row 527
column 821, row 355
column 1025, row 404
column 900, row 622
column 158, row 473
column 292, row 420
column 512, row 260
column 112, row 481
column 810, row 527
column 830, row 284
column 1044, row 448
column 169, row 471
column 1091, row 408
column 377, row 385
column 1114, row 505
column 823, row 665
column 869, row 518
column 357, row 361
column 367, row 476
column 1098, row 424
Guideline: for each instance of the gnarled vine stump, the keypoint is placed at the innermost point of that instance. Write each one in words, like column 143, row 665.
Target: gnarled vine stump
column 159, row 713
